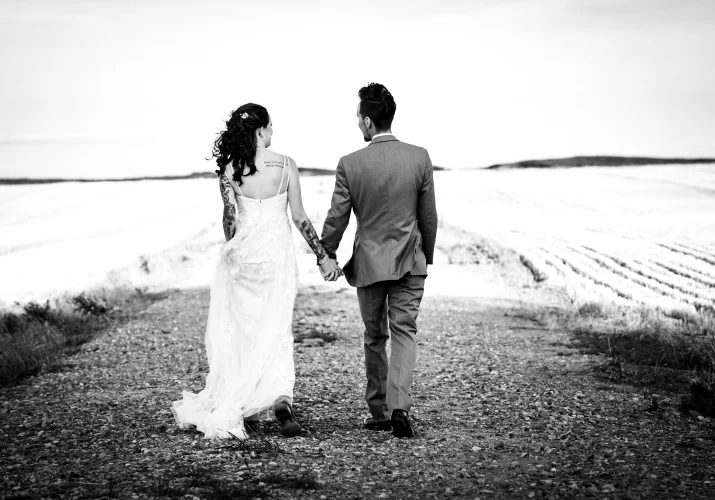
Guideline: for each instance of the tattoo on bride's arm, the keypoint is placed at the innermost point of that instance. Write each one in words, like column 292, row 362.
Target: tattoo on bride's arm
column 312, row 238
column 229, row 209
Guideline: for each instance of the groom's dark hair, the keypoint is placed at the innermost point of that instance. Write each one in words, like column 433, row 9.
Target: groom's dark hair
column 377, row 103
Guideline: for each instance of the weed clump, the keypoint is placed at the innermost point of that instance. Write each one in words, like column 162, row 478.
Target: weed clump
column 592, row 310
column 89, row 305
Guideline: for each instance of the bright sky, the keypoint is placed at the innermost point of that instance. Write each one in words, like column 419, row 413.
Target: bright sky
column 99, row 88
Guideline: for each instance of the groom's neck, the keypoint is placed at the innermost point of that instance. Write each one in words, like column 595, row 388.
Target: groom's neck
column 388, row 131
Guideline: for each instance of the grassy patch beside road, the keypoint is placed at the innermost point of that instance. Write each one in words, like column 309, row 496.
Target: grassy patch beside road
column 648, row 345
column 37, row 338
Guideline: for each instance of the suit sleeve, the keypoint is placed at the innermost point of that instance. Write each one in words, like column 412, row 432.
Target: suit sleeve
column 339, row 214
column 427, row 211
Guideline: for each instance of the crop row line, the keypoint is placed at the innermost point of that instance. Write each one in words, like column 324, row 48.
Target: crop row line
column 638, row 270
column 687, row 251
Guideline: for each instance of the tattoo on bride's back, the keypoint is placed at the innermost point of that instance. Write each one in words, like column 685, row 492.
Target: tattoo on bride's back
column 273, row 164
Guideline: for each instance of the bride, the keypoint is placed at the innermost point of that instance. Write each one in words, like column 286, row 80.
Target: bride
column 249, row 343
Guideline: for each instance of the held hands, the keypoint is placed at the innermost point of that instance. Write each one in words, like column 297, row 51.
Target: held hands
column 330, row 270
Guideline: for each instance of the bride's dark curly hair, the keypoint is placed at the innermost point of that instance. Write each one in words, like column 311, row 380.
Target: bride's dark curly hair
column 237, row 143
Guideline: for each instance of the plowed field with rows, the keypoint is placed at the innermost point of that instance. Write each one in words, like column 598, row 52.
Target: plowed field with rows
column 628, row 235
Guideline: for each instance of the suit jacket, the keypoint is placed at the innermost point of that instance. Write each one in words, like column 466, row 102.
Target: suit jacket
column 389, row 185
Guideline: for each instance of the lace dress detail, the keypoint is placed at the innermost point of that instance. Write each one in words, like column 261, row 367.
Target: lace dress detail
column 249, row 343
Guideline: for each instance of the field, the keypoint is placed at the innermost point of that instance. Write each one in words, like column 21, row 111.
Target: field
column 629, row 235
column 68, row 237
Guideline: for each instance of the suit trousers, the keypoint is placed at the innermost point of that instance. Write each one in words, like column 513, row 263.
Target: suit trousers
column 390, row 307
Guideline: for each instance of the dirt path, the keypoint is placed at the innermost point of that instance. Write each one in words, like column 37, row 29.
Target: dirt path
column 504, row 409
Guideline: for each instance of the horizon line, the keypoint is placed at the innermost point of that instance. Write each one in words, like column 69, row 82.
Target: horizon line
column 565, row 162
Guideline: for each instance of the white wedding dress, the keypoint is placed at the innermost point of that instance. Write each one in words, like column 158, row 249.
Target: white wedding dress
column 249, row 342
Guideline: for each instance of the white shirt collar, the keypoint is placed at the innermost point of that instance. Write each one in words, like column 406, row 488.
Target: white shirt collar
column 382, row 133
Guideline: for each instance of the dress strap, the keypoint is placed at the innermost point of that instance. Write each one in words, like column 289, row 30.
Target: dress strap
column 288, row 172
column 282, row 175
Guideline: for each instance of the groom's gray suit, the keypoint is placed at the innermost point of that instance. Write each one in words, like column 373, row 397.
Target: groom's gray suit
column 389, row 186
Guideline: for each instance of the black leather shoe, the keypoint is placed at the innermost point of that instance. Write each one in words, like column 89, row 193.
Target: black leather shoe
column 376, row 425
column 401, row 424
column 284, row 414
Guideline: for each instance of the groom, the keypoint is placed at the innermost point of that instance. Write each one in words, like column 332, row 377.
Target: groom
column 389, row 186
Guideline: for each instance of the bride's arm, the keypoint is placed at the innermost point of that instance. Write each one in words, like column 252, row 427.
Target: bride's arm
column 229, row 206
column 328, row 267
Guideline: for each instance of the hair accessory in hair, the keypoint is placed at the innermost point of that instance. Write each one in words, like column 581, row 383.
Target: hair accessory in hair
column 244, row 116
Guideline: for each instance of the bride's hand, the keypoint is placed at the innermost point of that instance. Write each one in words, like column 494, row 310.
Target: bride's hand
column 330, row 270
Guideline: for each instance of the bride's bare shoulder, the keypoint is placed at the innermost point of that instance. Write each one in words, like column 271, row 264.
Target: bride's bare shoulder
column 278, row 158
column 274, row 155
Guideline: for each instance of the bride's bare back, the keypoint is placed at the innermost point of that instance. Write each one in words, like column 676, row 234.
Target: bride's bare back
column 269, row 180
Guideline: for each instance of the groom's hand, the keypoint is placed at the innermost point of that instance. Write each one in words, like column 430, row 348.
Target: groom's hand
column 330, row 270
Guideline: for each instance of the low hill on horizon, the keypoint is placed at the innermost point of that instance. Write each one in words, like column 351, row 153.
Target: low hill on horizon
column 571, row 162
column 598, row 161
column 196, row 175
